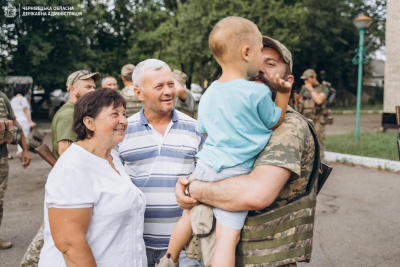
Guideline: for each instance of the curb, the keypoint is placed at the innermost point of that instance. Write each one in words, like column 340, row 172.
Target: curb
column 383, row 164
column 351, row 111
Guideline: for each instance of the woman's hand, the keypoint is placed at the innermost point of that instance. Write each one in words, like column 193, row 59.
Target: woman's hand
column 69, row 228
column 32, row 124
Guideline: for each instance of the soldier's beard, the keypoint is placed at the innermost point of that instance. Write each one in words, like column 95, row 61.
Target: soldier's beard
column 261, row 78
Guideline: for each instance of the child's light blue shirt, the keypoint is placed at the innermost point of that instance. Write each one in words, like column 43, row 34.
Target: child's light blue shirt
column 237, row 116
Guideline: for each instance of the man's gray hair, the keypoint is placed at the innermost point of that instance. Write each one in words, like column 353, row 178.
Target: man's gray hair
column 105, row 78
column 138, row 72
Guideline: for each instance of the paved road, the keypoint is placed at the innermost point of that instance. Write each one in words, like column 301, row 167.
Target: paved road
column 356, row 223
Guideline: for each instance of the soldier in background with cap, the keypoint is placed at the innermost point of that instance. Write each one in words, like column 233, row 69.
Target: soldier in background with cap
column 312, row 103
column 78, row 84
column 133, row 105
column 184, row 101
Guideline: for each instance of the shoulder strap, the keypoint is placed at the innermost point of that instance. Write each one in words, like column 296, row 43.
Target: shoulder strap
column 317, row 158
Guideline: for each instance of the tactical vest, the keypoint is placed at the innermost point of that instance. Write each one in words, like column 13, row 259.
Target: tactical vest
column 13, row 135
column 309, row 109
column 282, row 235
column 3, row 109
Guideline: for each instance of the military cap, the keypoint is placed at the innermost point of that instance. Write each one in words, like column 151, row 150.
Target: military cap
column 180, row 76
column 127, row 70
column 308, row 73
column 282, row 50
column 82, row 75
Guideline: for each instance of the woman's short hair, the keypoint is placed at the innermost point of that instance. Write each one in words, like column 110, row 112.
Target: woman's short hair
column 90, row 105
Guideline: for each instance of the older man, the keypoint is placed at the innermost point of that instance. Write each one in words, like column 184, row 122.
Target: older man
column 184, row 100
column 279, row 228
column 109, row 82
column 159, row 146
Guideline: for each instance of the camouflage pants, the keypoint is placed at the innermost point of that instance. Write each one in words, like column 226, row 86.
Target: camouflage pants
column 3, row 182
column 31, row 257
column 320, row 129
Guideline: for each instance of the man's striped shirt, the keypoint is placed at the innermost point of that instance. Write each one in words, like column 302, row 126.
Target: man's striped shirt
column 154, row 164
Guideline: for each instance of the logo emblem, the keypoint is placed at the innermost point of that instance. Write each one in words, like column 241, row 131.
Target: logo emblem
column 10, row 11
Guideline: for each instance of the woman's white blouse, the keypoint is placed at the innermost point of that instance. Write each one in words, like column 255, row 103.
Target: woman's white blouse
column 82, row 180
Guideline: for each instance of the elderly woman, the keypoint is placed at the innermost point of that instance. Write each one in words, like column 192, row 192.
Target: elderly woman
column 93, row 213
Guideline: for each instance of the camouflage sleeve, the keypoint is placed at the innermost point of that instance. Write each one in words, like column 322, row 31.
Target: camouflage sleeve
column 188, row 104
column 302, row 90
column 286, row 146
column 325, row 90
column 10, row 115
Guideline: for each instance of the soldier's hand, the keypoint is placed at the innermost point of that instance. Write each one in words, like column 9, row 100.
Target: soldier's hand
column 297, row 98
column 25, row 158
column 309, row 86
column 184, row 201
column 282, row 86
column 180, row 90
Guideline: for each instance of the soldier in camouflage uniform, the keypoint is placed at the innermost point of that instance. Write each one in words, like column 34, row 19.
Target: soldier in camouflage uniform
column 184, row 99
column 279, row 227
column 6, row 113
column 312, row 104
column 133, row 105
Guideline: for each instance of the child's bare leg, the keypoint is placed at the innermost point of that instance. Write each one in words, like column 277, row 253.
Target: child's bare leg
column 181, row 235
column 227, row 239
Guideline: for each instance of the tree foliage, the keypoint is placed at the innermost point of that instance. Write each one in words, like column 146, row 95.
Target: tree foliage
column 109, row 34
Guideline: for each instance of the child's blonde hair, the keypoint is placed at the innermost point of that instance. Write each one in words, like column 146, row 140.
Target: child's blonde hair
column 228, row 35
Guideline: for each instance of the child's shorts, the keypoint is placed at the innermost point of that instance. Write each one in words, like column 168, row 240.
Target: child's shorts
column 204, row 172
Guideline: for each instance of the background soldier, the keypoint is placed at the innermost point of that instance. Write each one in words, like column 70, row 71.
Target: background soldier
column 311, row 102
column 133, row 104
column 7, row 113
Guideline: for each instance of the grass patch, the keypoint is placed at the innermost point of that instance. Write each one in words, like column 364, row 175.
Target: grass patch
column 376, row 145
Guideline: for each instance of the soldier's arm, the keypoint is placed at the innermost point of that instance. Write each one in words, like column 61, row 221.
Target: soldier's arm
column 63, row 145
column 25, row 157
column 254, row 191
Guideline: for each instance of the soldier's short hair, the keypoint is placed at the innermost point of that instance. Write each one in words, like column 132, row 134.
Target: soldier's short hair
column 229, row 34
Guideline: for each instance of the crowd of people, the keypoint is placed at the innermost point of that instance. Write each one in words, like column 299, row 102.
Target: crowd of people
column 134, row 169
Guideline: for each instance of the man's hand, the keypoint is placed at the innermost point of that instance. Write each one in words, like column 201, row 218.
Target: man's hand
column 308, row 86
column 282, row 86
column 184, row 201
column 297, row 98
column 25, row 158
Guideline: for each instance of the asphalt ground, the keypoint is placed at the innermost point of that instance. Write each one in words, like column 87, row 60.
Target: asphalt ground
column 356, row 219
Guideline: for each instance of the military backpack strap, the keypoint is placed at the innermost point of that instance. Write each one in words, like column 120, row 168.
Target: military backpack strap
column 317, row 159
column 321, row 169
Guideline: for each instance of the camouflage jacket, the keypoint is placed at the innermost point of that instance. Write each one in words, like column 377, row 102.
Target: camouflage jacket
column 6, row 113
column 281, row 234
column 308, row 107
